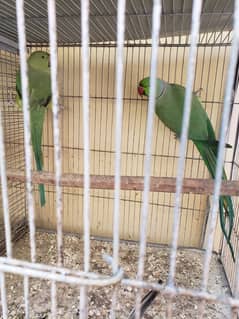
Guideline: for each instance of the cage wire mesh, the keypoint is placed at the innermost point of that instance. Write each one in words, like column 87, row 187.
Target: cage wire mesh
column 110, row 128
column 13, row 133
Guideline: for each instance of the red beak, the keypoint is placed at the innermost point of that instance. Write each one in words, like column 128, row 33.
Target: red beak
column 140, row 90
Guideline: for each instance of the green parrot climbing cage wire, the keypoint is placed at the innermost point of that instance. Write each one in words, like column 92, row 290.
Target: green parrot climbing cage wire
column 127, row 205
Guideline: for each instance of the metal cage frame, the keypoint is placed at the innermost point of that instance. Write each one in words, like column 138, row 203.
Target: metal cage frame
column 85, row 278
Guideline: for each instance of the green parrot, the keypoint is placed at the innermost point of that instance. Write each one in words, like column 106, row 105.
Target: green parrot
column 39, row 99
column 169, row 105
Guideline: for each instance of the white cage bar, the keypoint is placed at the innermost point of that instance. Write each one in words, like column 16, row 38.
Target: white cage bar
column 26, row 112
column 118, row 134
column 157, row 7
column 85, row 85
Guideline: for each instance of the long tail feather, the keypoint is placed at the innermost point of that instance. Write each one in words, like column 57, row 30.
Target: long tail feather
column 42, row 194
column 37, row 120
column 225, row 202
column 223, row 223
column 209, row 155
column 145, row 302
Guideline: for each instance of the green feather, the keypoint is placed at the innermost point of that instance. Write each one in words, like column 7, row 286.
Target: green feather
column 37, row 119
column 39, row 98
column 209, row 155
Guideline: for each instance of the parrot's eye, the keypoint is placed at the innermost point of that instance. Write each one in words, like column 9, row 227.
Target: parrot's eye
column 43, row 56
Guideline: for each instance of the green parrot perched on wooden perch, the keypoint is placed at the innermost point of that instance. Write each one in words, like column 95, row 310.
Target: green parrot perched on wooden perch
column 169, row 106
column 39, row 99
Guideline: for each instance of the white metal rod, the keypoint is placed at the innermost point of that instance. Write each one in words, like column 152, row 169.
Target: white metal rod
column 221, row 149
column 56, row 130
column 3, row 295
column 195, row 25
column 53, row 300
column 47, row 268
column 59, row 276
column 118, row 136
column 26, row 114
column 118, row 127
column 85, row 100
column 157, row 7
column 26, row 296
column 184, row 135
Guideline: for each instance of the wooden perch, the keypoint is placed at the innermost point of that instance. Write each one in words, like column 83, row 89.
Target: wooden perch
column 136, row 183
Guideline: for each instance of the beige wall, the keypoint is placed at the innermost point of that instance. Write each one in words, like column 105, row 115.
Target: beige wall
column 210, row 76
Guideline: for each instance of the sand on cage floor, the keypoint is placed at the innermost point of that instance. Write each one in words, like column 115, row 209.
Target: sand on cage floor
column 188, row 275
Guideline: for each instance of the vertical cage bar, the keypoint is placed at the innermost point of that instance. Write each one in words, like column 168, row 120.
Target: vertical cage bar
column 196, row 10
column 221, row 149
column 53, row 300
column 183, row 139
column 26, row 114
column 85, row 100
column 3, row 295
column 57, row 145
column 26, row 296
column 56, row 130
column 157, row 7
column 118, row 136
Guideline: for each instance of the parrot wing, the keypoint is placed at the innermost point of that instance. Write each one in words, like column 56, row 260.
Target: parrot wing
column 18, row 90
column 47, row 102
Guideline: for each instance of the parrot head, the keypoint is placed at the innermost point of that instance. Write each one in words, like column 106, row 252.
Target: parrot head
column 39, row 59
column 144, row 86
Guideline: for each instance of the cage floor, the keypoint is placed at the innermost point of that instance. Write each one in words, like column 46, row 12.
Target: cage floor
column 189, row 270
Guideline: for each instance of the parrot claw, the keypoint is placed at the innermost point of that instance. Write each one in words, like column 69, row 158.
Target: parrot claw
column 61, row 107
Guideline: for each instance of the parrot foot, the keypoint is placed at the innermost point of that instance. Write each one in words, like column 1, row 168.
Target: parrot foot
column 61, row 107
column 198, row 92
